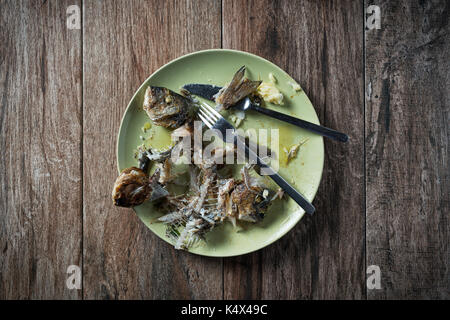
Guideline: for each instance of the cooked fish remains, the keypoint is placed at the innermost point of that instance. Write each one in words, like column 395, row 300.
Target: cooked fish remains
column 211, row 195
column 133, row 187
column 167, row 108
column 211, row 201
column 238, row 89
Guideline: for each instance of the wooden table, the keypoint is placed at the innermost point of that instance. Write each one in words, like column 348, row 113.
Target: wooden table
column 384, row 196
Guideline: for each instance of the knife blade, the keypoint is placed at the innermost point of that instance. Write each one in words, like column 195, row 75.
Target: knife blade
column 206, row 91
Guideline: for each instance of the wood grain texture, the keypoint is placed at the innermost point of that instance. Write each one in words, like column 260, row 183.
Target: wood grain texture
column 40, row 129
column 407, row 131
column 63, row 93
column 124, row 42
column 320, row 44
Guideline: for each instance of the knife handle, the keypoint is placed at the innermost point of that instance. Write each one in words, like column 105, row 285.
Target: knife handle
column 294, row 194
column 323, row 131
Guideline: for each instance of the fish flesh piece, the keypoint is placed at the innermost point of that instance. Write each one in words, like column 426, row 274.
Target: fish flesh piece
column 167, row 108
column 133, row 187
column 238, row 89
column 249, row 199
column 248, row 203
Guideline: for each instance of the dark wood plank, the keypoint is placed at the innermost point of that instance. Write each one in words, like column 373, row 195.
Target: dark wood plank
column 320, row 44
column 124, row 42
column 407, row 77
column 40, row 129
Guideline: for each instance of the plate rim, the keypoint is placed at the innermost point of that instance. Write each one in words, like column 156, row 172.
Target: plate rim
column 314, row 193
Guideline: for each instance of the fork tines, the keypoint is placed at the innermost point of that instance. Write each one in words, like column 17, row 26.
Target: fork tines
column 208, row 115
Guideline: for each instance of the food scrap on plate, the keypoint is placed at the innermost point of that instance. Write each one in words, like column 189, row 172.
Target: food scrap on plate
column 238, row 89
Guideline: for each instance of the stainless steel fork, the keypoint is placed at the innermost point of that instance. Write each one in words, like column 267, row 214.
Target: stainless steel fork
column 214, row 120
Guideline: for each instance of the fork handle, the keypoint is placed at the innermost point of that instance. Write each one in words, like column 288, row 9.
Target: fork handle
column 294, row 194
column 323, row 131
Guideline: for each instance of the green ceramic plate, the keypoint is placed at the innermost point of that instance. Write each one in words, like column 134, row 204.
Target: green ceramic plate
column 304, row 172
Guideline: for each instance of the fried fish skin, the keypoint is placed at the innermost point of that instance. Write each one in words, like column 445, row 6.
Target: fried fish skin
column 167, row 108
column 131, row 188
column 238, row 89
